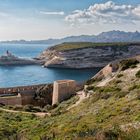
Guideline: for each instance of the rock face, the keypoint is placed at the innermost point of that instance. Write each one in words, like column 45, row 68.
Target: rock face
column 87, row 57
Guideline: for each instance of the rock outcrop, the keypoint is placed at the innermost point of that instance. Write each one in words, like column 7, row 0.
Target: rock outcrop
column 87, row 57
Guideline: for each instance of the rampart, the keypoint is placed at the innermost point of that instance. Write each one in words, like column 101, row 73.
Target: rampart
column 11, row 100
column 107, row 70
column 24, row 95
column 16, row 90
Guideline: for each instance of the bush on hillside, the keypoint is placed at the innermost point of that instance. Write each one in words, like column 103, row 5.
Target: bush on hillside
column 138, row 96
column 135, row 86
column 90, row 81
column 31, row 108
column 120, row 75
column 128, row 63
column 18, row 107
column 47, row 108
column 120, row 94
column 138, row 74
column 90, row 88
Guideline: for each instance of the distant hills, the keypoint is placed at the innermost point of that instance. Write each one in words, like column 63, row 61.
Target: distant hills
column 111, row 36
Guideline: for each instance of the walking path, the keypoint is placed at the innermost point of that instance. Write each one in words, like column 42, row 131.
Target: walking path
column 82, row 96
column 38, row 114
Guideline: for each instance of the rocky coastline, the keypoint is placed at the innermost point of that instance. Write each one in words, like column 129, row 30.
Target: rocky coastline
column 86, row 57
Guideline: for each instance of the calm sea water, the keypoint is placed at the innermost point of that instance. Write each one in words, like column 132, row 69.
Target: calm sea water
column 28, row 75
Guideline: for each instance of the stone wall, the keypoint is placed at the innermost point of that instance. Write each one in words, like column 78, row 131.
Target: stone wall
column 19, row 89
column 106, row 71
column 18, row 95
column 11, row 100
column 27, row 97
column 62, row 90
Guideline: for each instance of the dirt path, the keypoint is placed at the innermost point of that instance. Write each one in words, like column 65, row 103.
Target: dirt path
column 82, row 96
column 38, row 114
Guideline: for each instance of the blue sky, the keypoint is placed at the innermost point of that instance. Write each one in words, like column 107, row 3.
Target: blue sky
column 42, row 19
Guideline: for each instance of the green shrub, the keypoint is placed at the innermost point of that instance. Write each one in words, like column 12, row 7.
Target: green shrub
column 55, row 112
column 111, row 89
column 105, row 96
column 47, row 108
column 128, row 63
column 133, row 66
column 138, row 74
column 110, row 134
column 118, row 81
column 18, row 107
column 120, row 94
column 90, row 88
column 134, row 87
column 125, row 109
column 134, row 134
column 31, row 108
column 119, row 75
column 2, row 105
column 138, row 96
column 90, row 81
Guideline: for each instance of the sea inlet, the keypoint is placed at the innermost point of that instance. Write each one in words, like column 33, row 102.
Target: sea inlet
column 11, row 76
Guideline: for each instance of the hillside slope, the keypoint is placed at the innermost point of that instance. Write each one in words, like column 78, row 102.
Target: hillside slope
column 87, row 55
column 110, row 112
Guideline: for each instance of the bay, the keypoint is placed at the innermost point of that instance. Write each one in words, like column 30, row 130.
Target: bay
column 11, row 76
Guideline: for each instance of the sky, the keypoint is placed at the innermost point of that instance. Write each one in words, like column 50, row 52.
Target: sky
column 44, row 19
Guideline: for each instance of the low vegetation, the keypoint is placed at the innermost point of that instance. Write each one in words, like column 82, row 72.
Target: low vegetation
column 79, row 45
column 120, row 75
column 111, row 113
column 138, row 74
column 128, row 63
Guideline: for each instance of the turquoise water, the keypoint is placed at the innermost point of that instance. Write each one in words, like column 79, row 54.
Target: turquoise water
column 28, row 75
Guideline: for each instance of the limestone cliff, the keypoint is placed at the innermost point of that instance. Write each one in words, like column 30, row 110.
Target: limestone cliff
column 87, row 55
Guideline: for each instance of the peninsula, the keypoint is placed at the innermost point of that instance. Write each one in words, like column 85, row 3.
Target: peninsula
column 87, row 54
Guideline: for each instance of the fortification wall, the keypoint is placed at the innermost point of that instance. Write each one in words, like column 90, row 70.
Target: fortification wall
column 62, row 90
column 107, row 70
column 20, row 95
column 11, row 100
column 27, row 97
column 19, row 89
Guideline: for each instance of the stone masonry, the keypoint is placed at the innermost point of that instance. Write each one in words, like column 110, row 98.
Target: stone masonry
column 62, row 90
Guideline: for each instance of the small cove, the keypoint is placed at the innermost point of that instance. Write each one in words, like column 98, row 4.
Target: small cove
column 11, row 76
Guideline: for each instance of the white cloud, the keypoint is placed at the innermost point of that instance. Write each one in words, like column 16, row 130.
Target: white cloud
column 108, row 12
column 61, row 13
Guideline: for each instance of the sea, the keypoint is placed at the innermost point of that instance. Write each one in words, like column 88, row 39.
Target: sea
column 11, row 76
